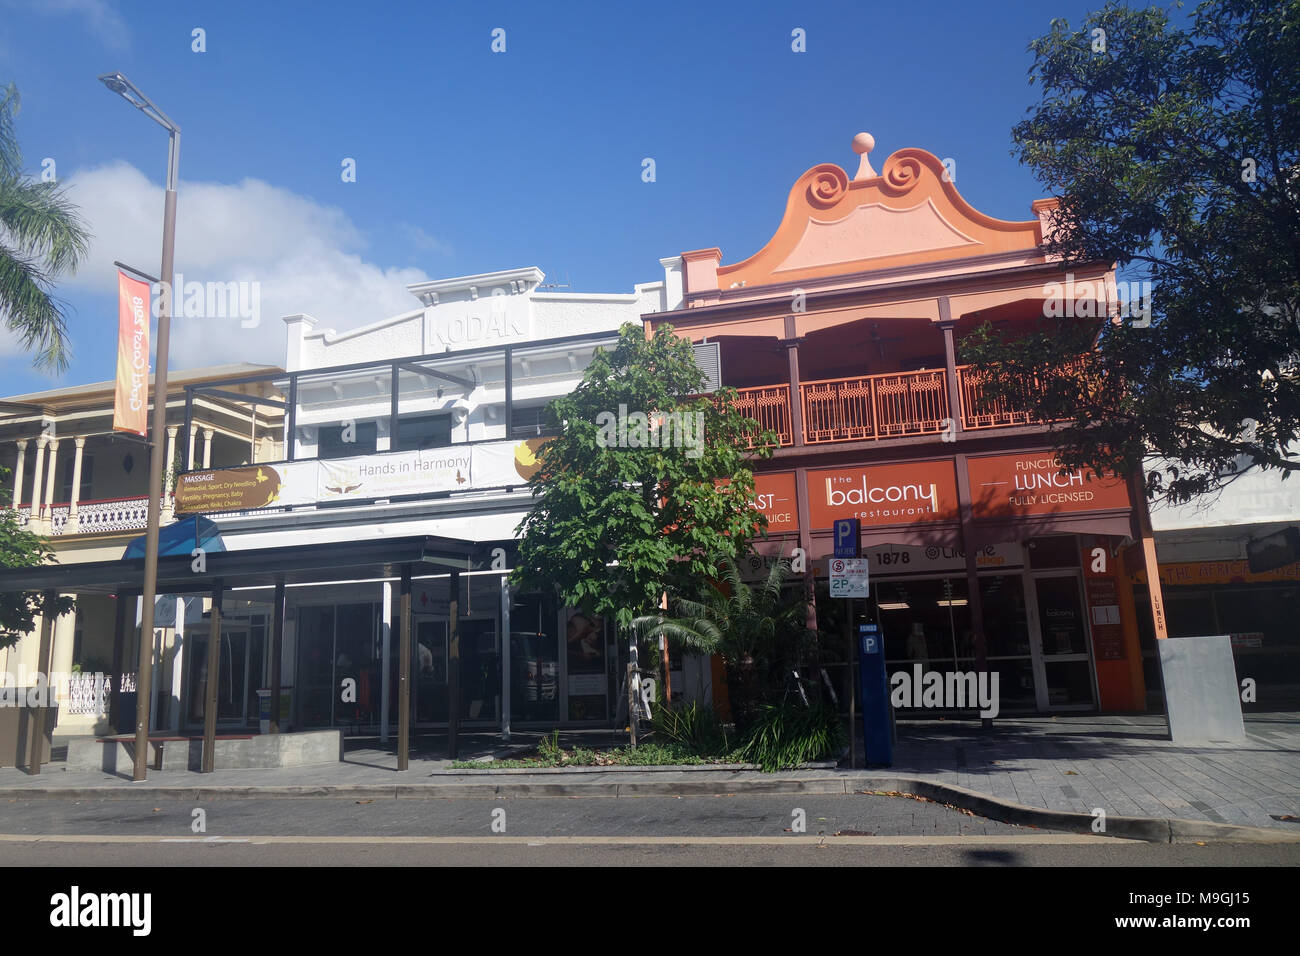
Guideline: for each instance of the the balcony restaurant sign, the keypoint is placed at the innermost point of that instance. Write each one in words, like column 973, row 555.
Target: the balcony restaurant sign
column 1033, row 484
column 131, row 396
column 364, row 478
column 912, row 493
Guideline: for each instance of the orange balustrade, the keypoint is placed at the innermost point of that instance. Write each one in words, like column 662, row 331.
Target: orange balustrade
column 980, row 409
column 768, row 405
column 874, row 406
column 882, row 406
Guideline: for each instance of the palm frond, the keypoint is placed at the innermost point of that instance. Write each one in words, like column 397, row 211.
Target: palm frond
column 40, row 220
column 11, row 157
column 29, row 311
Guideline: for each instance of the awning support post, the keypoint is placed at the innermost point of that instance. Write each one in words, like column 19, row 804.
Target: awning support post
column 975, row 601
column 213, row 681
column 404, row 672
column 505, row 658
column 277, row 651
column 453, row 663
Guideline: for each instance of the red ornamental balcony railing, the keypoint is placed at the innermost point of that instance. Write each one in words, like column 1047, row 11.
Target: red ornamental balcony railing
column 981, row 409
column 896, row 405
column 874, row 406
column 770, row 407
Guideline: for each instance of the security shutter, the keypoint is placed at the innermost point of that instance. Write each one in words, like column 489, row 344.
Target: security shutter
column 708, row 356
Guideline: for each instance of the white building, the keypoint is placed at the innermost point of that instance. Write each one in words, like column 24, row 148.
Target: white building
column 420, row 424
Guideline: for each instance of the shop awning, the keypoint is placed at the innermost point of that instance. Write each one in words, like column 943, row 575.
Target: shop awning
column 302, row 564
column 182, row 537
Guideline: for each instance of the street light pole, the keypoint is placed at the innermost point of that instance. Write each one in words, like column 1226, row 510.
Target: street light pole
column 144, row 673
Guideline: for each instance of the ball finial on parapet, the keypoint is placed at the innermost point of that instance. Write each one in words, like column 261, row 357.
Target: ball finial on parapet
column 863, row 144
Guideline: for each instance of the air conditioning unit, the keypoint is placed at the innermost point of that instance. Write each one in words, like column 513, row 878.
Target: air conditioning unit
column 1273, row 551
column 708, row 356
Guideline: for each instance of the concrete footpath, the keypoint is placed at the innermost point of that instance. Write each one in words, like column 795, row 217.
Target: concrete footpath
column 1038, row 771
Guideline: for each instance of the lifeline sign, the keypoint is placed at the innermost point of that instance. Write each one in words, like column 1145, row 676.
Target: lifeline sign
column 131, row 396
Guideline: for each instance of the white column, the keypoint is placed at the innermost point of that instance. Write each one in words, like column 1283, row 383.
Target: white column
column 385, row 658
column 65, row 636
column 207, row 448
column 189, row 457
column 74, row 523
column 155, row 673
column 18, row 471
column 168, row 506
column 34, row 522
column 50, row 471
column 178, row 669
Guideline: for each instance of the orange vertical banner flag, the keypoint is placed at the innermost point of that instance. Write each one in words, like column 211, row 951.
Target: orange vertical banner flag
column 131, row 398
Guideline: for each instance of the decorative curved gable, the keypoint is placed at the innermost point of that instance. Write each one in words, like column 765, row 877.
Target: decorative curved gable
column 908, row 214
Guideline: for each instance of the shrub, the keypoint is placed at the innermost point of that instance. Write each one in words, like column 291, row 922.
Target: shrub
column 788, row 734
column 694, row 727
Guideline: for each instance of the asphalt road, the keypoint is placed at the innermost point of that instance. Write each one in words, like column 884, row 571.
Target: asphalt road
column 745, row 830
column 756, row 815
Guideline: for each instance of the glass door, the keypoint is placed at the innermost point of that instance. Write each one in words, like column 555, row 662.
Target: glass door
column 1064, row 650
column 926, row 626
column 480, row 670
column 429, row 704
column 241, row 669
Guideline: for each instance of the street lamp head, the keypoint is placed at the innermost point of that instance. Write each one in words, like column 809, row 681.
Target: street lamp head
column 124, row 88
column 116, row 82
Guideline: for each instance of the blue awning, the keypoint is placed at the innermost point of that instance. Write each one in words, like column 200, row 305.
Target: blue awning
column 182, row 538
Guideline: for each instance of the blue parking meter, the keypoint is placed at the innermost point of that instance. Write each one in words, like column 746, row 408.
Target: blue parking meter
column 877, row 727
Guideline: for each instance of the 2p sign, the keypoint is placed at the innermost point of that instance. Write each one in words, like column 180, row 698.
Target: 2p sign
column 849, row 578
column 846, row 537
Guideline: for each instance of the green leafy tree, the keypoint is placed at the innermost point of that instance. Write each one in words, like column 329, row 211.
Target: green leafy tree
column 41, row 239
column 617, row 522
column 1175, row 151
column 20, row 548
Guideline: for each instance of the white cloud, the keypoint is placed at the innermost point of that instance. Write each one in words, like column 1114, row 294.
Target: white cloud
column 306, row 257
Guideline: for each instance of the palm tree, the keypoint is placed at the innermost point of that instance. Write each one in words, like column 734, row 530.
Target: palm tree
column 41, row 238
column 736, row 620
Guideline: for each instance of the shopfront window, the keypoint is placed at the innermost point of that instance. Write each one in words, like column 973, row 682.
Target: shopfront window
column 356, row 661
column 534, row 659
column 338, row 643
column 1066, row 661
column 315, row 640
column 479, row 670
column 1006, row 635
column 926, row 623
column 586, row 657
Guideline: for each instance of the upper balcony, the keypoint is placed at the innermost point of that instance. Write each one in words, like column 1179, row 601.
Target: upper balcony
column 904, row 391
column 868, row 407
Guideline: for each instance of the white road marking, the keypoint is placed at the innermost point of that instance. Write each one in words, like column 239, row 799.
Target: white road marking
column 796, row 840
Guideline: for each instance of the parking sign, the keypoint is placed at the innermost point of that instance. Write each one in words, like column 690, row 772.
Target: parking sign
column 846, row 537
column 849, row 578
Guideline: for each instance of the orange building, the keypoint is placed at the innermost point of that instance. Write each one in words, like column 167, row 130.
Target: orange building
column 843, row 334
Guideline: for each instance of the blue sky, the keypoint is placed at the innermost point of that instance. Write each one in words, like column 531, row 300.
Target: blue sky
column 473, row 161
